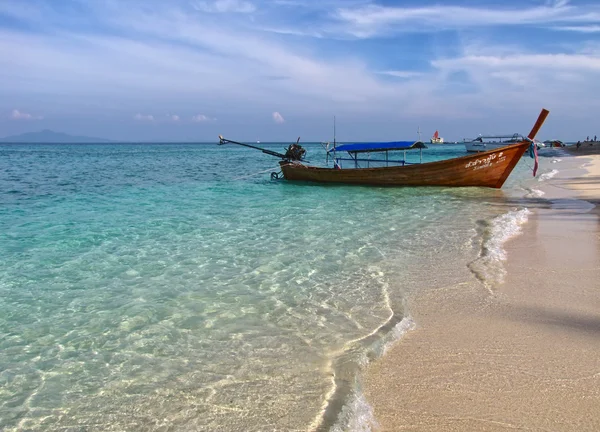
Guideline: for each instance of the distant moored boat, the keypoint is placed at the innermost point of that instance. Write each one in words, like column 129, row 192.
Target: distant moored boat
column 436, row 138
column 490, row 142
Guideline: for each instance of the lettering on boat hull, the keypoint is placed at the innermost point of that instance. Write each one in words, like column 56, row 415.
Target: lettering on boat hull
column 486, row 162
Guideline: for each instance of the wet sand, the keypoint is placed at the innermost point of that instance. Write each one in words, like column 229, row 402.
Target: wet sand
column 525, row 355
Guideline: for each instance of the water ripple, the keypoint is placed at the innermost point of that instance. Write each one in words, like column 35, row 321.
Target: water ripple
column 142, row 288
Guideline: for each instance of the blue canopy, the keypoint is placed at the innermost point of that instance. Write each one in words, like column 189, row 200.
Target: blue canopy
column 379, row 146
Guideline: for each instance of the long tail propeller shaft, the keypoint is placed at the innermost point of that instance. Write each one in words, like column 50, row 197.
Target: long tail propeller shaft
column 269, row 152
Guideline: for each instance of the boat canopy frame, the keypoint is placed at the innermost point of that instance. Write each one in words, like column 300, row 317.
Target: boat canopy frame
column 354, row 149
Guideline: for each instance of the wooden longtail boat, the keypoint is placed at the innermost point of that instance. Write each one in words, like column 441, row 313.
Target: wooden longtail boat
column 486, row 169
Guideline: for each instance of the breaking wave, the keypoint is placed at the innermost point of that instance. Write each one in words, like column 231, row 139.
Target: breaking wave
column 356, row 415
column 534, row 193
column 488, row 267
column 548, row 175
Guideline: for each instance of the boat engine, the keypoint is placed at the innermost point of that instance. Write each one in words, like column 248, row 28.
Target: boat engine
column 295, row 152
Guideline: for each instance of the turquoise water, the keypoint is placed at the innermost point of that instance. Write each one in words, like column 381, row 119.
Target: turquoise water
column 166, row 287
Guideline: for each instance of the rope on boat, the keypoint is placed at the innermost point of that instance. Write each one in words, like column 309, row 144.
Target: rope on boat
column 256, row 173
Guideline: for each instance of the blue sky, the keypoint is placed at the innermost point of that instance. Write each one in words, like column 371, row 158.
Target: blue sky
column 273, row 70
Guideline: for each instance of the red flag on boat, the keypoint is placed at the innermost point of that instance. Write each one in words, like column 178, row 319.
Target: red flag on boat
column 436, row 135
column 533, row 133
column 535, row 163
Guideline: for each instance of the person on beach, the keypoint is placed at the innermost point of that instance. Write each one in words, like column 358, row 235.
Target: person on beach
column 578, row 144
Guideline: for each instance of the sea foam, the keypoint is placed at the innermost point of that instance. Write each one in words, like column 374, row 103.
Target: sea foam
column 534, row 193
column 357, row 414
column 488, row 267
column 548, row 175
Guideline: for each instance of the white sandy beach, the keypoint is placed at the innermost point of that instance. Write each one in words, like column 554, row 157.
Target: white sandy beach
column 525, row 356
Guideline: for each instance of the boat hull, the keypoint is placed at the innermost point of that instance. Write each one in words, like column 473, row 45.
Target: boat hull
column 487, row 169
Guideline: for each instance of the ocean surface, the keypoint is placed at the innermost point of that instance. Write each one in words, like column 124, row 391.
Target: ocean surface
column 163, row 287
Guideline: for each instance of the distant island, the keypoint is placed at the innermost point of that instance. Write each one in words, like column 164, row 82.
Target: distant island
column 48, row 136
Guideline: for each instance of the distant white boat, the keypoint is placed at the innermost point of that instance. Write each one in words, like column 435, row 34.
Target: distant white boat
column 436, row 138
column 257, row 142
column 485, row 143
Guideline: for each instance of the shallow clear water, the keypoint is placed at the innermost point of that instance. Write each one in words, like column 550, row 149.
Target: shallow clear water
column 166, row 287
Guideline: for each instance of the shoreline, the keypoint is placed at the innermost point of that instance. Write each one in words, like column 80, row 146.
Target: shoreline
column 523, row 355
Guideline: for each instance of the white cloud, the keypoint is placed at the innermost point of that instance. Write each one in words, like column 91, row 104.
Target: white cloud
column 225, row 6
column 525, row 81
column 144, row 117
column 401, row 74
column 372, row 20
column 294, row 32
column 558, row 3
column 168, row 57
column 201, row 118
column 18, row 115
column 580, row 29
column 278, row 118
column 198, row 58
column 173, row 117
column 533, row 63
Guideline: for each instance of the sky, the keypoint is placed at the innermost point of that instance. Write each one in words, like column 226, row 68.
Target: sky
column 273, row 70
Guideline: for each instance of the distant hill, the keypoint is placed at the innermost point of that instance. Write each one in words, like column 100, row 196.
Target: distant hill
column 48, row 136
